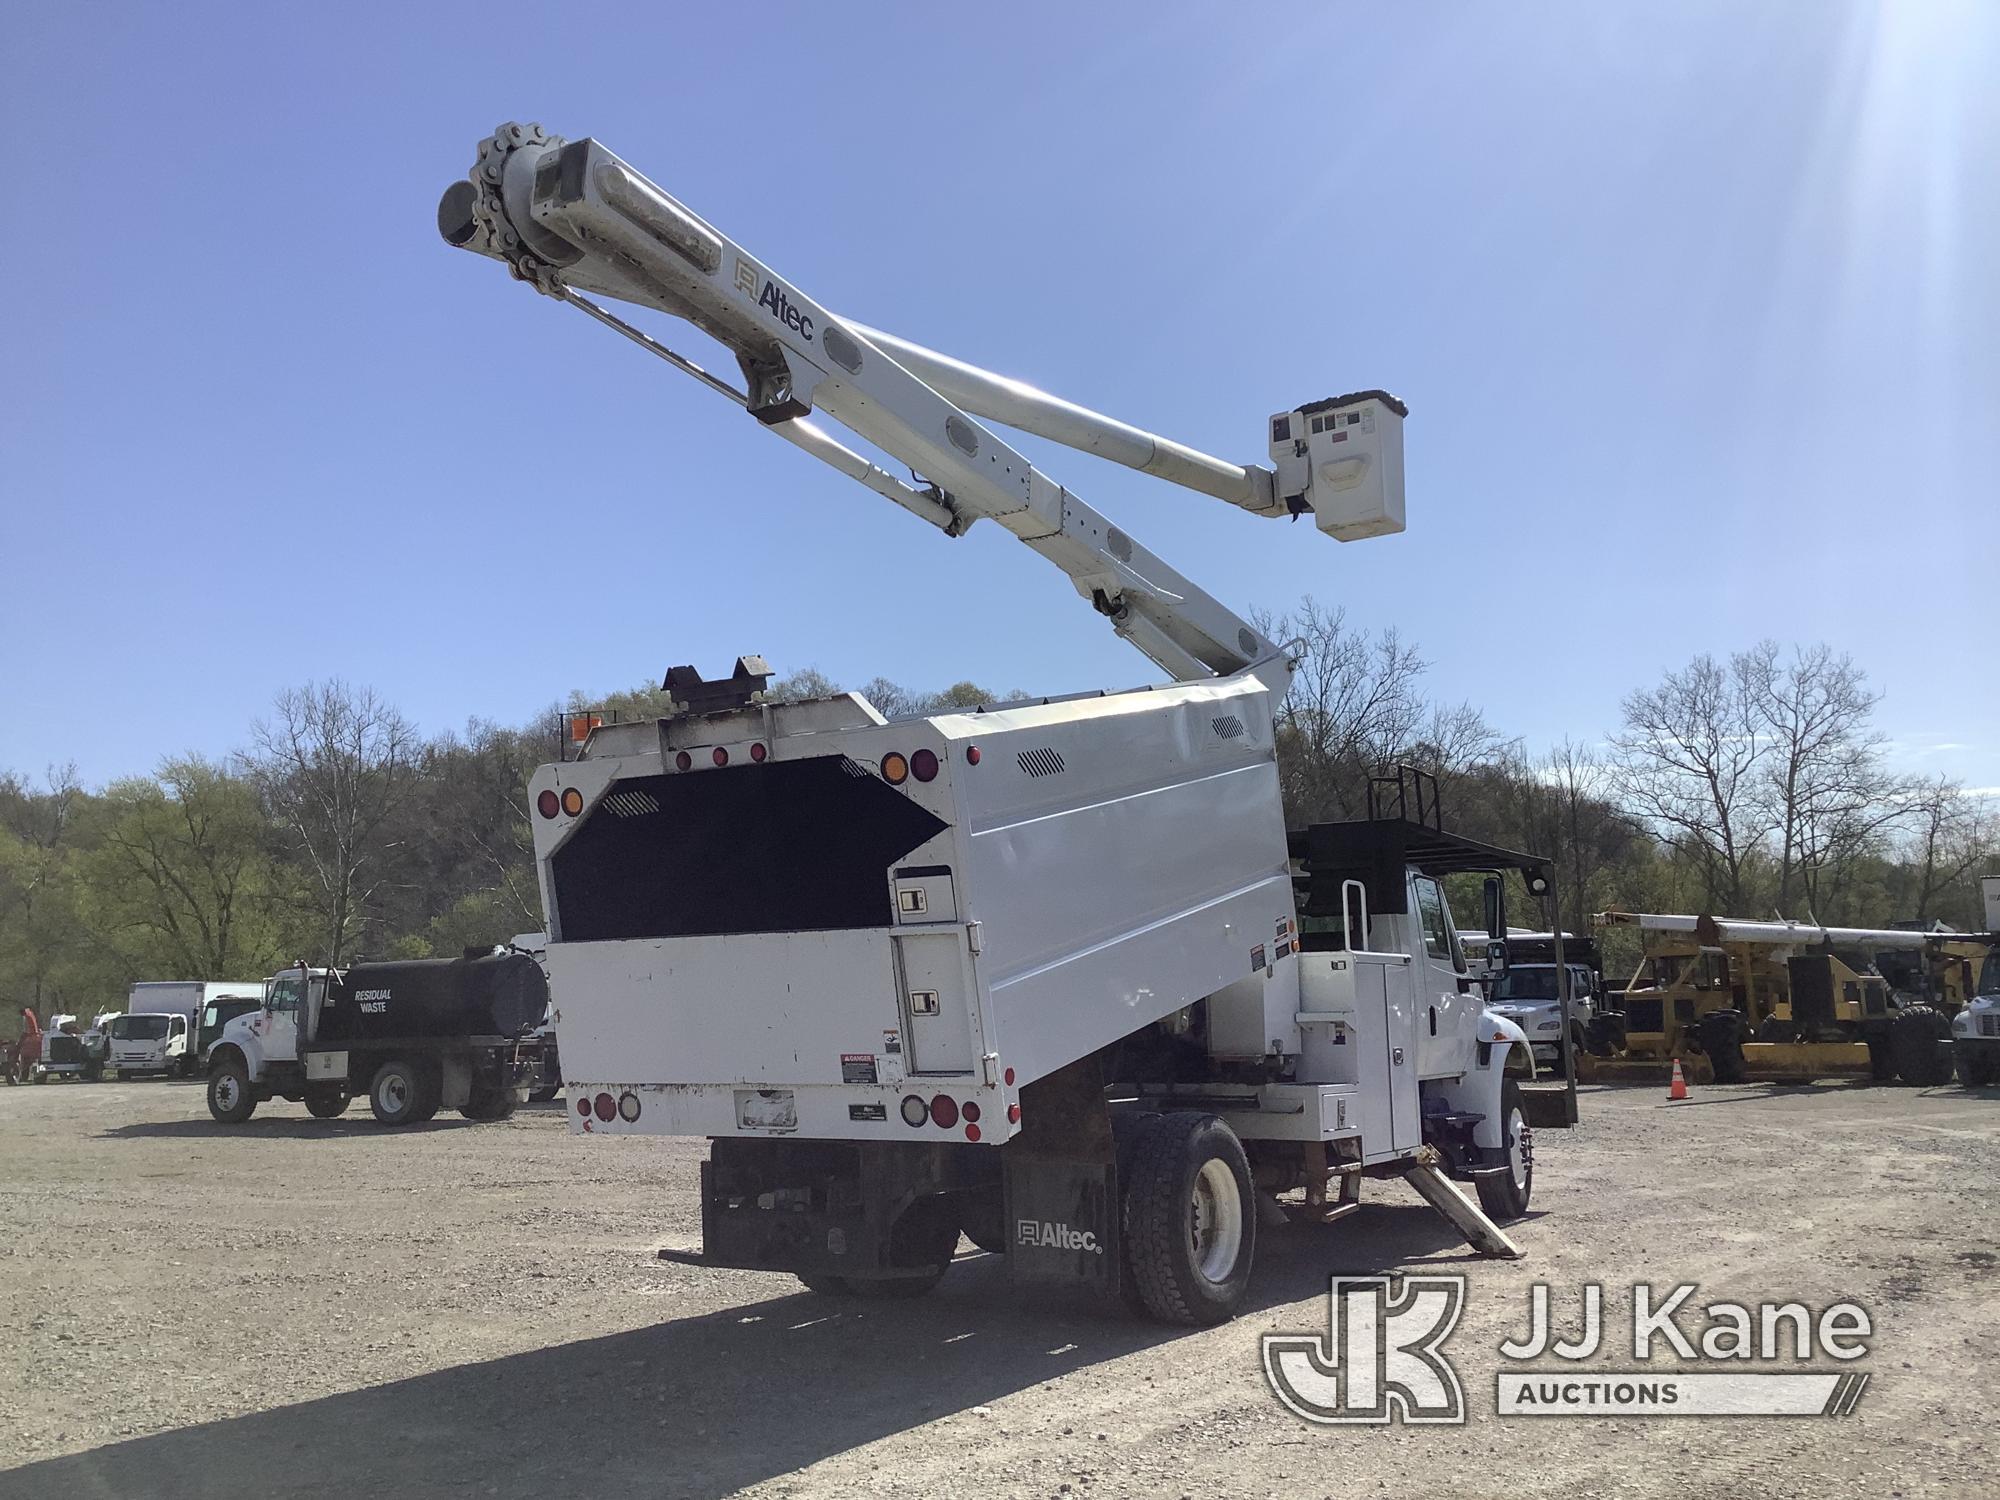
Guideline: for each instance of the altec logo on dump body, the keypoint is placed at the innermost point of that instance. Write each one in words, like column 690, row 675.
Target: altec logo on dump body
column 754, row 283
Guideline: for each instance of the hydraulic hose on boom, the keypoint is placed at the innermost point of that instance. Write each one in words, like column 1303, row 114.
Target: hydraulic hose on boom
column 570, row 218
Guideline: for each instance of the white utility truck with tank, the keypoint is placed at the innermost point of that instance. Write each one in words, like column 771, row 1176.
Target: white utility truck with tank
column 1052, row 974
column 160, row 1032
column 412, row 1037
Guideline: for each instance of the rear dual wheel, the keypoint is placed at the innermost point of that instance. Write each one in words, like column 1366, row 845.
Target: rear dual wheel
column 404, row 1093
column 1189, row 1220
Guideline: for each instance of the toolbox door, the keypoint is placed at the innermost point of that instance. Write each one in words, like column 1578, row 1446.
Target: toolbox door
column 934, row 975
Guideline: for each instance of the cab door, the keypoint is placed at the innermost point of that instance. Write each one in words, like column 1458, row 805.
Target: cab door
column 278, row 1027
column 1445, row 1017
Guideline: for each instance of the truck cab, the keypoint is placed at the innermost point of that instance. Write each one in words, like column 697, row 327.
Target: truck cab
column 1975, row 1030
column 1526, row 995
column 149, row 1042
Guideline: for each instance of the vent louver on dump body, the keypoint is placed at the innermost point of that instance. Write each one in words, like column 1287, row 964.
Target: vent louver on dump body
column 631, row 804
column 1227, row 727
column 1042, row 762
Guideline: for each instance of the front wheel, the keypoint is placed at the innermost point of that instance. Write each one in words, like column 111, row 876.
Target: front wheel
column 230, row 1097
column 1504, row 1195
column 1190, row 1218
column 1721, row 1035
column 544, row 1095
column 1918, row 1036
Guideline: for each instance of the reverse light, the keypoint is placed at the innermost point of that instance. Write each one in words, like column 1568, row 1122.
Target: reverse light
column 548, row 804
column 895, row 768
column 628, row 1107
column 572, row 801
column 606, row 1107
column 924, row 765
column 944, row 1111
column 915, row 1111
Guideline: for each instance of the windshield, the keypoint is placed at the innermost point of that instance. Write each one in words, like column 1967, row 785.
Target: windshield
column 1531, row 982
column 139, row 1028
column 1989, row 974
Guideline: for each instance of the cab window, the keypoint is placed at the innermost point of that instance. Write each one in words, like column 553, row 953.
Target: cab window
column 284, row 997
column 1440, row 942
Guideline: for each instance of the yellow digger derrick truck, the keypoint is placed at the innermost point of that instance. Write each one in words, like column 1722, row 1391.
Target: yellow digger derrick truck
column 1736, row 1002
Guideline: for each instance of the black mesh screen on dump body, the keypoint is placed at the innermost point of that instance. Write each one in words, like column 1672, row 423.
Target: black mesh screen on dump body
column 787, row 846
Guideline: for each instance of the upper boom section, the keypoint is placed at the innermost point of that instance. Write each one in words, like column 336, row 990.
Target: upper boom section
column 570, row 216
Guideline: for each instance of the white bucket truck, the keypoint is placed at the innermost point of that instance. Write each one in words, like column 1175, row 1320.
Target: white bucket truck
column 1050, row 974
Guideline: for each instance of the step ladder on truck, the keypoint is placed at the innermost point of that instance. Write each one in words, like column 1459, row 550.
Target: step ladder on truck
column 1034, row 973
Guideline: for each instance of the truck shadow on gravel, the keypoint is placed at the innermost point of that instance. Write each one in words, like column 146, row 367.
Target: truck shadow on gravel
column 702, row 1407
column 281, row 1127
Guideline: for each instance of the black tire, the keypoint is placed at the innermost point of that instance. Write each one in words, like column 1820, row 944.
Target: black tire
column 823, row 1285
column 324, row 1102
column 983, row 1216
column 1602, row 1036
column 1189, row 1218
column 1978, row 1064
column 1881, row 1058
column 231, row 1099
column 1917, row 1036
column 489, row 1105
column 1505, row 1196
column 544, row 1095
column 401, row 1093
column 1721, row 1035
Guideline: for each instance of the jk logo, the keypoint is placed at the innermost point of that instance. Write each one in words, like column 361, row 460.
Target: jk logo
column 1378, row 1360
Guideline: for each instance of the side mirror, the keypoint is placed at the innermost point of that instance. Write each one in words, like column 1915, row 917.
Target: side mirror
column 1494, row 904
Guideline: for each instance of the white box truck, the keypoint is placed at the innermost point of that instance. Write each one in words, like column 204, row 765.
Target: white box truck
column 160, row 1032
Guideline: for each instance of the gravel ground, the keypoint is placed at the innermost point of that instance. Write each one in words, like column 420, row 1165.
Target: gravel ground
column 297, row 1308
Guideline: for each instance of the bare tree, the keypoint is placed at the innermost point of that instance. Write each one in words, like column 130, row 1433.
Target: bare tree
column 1688, row 761
column 1824, row 791
column 1355, row 705
column 1952, row 835
column 1564, row 806
column 333, row 765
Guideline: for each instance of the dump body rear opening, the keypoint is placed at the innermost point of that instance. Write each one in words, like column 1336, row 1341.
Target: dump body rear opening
column 788, row 846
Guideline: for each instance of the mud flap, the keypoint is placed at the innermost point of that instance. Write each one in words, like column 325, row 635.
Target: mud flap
column 1062, row 1222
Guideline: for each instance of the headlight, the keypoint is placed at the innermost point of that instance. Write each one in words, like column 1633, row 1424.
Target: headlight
column 1550, row 1026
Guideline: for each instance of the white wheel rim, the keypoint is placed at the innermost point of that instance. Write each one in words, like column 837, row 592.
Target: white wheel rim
column 1520, row 1148
column 225, row 1091
column 395, row 1093
column 1216, row 1220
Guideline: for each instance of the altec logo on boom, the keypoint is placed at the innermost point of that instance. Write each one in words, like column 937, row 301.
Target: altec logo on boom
column 754, row 283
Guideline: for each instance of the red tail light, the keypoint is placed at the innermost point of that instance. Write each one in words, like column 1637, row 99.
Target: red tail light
column 972, row 1132
column 548, row 804
column 758, row 752
column 606, row 1107
column 972, row 755
column 583, row 1104
column 970, row 1112
column 683, row 762
column 924, row 765
column 719, row 755
column 944, row 1111
column 1013, row 1114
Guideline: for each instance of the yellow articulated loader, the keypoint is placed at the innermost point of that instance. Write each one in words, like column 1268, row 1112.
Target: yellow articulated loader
column 1736, row 1002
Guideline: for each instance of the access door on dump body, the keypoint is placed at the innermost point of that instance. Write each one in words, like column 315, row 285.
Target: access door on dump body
column 933, row 972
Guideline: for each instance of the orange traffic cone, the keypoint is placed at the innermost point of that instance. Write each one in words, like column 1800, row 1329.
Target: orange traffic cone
column 1678, row 1089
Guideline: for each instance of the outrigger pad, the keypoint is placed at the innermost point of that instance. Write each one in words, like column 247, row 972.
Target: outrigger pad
column 1466, row 1216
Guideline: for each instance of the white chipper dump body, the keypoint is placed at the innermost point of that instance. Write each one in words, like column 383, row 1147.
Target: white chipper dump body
column 1050, row 974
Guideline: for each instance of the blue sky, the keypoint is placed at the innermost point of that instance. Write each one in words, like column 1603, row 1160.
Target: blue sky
column 1694, row 305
